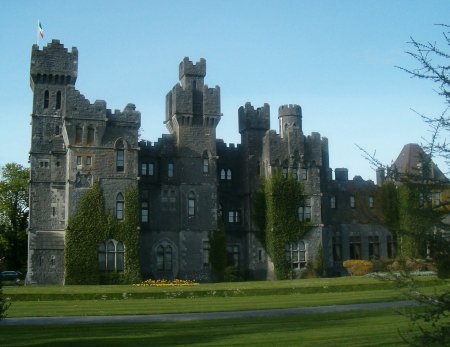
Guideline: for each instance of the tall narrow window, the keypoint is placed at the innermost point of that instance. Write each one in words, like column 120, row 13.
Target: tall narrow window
column 46, row 99
column 370, row 201
column 229, row 174
column 304, row 212
column 355, row 246
column 191, row 204
column 374, row 246
column 206, row 249
column 170, row 170
column 144, row 171
column 110, row 256
column 233, row 255
column 304, row 174
column 120, row 156
column 437, row 198
column 337, row 246
column 223, row 174
column 164, row 258
column 90, row 135
column 285, row 171
column 78, row 135
column 205, row 165
column 352, row 201
column 58, row 100
column 333, row 202
column 119, row 206
column 144, row 212
column 390, row 243
column 120, row 255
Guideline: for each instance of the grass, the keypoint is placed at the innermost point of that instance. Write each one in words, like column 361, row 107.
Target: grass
column 362, row 328
column 357, row 328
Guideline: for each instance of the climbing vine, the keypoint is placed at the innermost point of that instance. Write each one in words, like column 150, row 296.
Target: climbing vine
column 90, row 226
column 283, row 198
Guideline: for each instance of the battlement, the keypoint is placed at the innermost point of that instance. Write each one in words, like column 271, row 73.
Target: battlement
column 290, row 110
column 54, row 64
column 254, row 119
column 211, row 101
column 188, row 68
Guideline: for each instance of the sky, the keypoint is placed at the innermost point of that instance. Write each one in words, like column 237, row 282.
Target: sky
column 336, row 59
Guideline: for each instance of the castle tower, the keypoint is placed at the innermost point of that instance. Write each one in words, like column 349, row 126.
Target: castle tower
column 52, row 70
column 290, row 118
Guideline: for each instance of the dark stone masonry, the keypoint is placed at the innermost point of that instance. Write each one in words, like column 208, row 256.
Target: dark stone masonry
column 188, row 179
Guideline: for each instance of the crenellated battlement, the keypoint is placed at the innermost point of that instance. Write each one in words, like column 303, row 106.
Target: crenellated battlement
column 188, row 68
column 54, row 64
column 290, row 110
column 254, row 119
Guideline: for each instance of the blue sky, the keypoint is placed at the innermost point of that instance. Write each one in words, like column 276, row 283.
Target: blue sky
column 336, row 59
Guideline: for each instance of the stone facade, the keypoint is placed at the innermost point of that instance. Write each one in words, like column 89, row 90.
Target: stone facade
column 188, row 179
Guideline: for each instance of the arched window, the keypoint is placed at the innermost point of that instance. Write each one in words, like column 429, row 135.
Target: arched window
column 46, row 98
column 223, row 174
column 90, row 135
column 205, row 161
column 164, row 258
column 120, row 156
column 229, row 175
column 119, row 206
column 191, row 204
column 58, row 100
column 111, row 256
column 144, row 212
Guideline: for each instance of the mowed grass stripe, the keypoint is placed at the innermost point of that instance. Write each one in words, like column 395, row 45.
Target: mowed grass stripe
column 362, row 328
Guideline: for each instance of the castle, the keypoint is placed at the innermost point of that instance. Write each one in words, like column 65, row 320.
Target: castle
column 187, row 180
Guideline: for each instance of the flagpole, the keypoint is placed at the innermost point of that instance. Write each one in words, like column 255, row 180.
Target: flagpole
column 37, row 33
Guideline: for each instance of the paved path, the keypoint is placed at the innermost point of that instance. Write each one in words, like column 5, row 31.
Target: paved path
column 201, row 316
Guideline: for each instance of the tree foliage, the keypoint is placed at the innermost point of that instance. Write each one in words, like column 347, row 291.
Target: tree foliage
column 90, row 226
column 14, row 215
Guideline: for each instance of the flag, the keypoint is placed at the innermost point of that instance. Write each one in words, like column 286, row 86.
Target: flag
column 40, row 30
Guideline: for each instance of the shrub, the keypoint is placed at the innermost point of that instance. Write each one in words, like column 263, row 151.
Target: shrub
column 231, row 274
column 358, row 267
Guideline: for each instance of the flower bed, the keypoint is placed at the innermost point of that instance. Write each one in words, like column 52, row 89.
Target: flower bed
column 165, row 283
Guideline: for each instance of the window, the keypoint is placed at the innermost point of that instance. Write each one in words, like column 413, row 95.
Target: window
column 233, row 255
column 90, row 135
column 191, row 204
column 355, row 246
column 111, row 256
column 78, row 160
column 78, row 135
column 370, row 201
column 57, row 130
column 151, row 169
column 46, row 99
column 144, row 169
column 233, row 216
column 352, row 201
column 229, row 175
column 333, row 202
column 58, row 100
column 437, row 198
column 164, row 258
column 206, row 249
column 390, row 247
column 285, row 171
column 119, row 206
column 88, row 160
column 304, row 212
column 170, row 170
column 374, row 246
column 296, row 254
column 294, row 174
column 304, row 174
column 120, row 156
column 144, row 212
column 205, row 165
column 223, row 174
column 337, row 246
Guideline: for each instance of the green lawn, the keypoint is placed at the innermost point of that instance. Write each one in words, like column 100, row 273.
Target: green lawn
column 362, row 328
column 358, row 328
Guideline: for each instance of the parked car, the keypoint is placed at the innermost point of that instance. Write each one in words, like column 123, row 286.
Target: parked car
column 11, row 276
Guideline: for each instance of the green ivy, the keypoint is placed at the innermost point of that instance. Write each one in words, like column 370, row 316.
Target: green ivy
column 90, row 226
column 283, row 198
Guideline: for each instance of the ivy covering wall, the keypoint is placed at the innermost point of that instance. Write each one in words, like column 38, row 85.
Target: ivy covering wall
column 90, row 226
column 283, row 197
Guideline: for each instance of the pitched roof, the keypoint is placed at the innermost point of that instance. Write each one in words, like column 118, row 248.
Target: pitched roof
column 409, row 162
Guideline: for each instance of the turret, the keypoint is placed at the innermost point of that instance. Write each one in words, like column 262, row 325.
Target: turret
column 251, row 119
column 290, row 117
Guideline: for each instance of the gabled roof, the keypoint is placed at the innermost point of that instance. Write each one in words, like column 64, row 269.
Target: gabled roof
column 410, row 161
